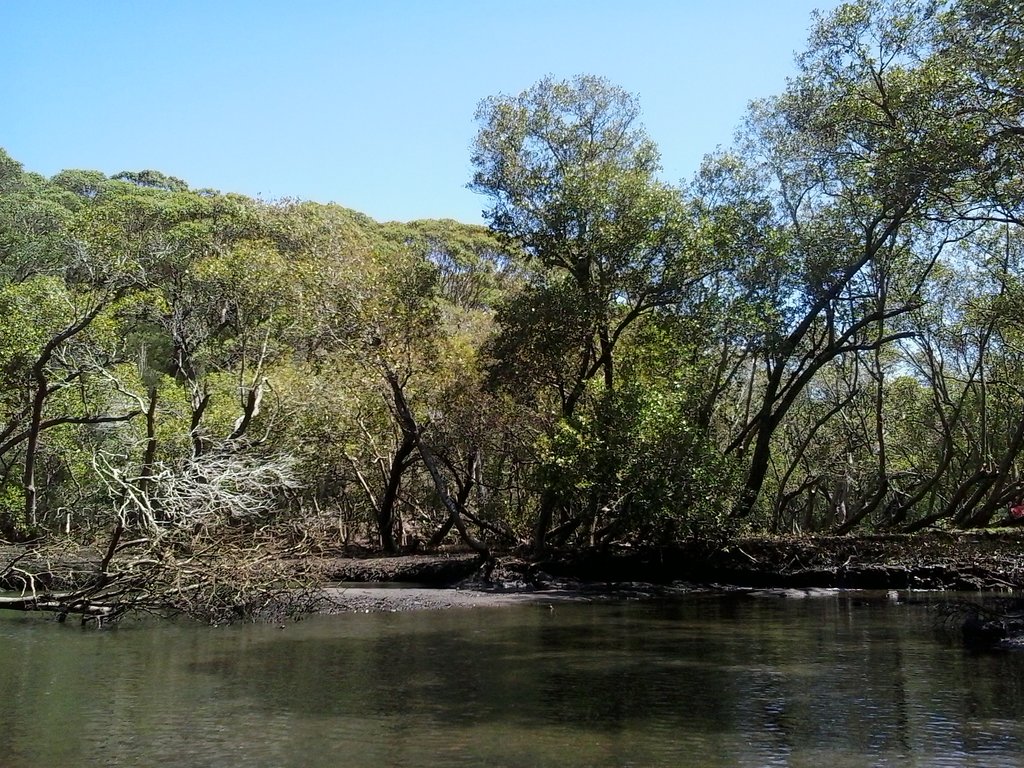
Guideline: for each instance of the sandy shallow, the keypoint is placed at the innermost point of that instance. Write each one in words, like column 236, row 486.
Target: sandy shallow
column 370, row 598
column 389, row 598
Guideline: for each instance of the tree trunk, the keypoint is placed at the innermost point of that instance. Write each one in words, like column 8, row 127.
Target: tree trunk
column 386, row 509
column 32, row 446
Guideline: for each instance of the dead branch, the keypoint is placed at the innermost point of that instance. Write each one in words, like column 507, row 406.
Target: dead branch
column 201, row 557
column 212, row 575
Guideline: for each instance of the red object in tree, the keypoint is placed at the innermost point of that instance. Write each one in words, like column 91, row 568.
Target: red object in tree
column 1017, row 511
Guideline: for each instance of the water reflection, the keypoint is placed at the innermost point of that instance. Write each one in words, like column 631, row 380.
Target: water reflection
column 706, row 681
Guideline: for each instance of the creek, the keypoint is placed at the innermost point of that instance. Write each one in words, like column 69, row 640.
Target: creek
column 841, row 679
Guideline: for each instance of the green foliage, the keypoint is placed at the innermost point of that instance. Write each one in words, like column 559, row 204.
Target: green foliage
column 474, row 268
column 153, row 180
column 13, row 525
column 821, row 332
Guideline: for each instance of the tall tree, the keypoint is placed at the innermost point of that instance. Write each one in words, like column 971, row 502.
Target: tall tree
column 573, row 179
column 865, row 148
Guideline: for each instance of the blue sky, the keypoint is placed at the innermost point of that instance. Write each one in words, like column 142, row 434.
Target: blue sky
column 368, row 104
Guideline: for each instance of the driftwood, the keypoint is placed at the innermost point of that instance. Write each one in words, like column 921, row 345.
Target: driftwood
column 187, row 541
column 212, row 575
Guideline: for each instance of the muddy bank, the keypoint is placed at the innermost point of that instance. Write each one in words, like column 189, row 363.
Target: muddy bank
column 934, row 561
column 981, row 561
column 440, row 570
column 383, row 599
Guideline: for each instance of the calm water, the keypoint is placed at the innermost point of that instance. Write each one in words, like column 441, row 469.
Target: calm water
column 707, row 681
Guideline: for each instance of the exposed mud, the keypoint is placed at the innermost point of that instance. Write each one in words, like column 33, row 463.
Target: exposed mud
column 984, row 561
column 981, row 561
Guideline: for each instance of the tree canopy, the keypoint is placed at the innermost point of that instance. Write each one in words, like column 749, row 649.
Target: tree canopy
column 819, row 332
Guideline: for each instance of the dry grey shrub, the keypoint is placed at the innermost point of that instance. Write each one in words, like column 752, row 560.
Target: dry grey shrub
column 208, row 490
column 188, row 540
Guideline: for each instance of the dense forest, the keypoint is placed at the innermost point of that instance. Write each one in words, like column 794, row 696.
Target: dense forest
column 822, row 331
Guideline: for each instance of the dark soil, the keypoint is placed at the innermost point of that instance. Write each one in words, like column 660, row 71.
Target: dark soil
column 977, row 561
column 440, row 570
column 980, row 561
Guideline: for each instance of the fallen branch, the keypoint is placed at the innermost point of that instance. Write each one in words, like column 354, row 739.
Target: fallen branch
column 216, row 575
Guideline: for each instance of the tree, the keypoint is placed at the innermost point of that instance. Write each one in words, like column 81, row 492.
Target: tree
column 865, row 149
column 978, row 46
column 573, row 180
column 192, row 550
column 61, row 295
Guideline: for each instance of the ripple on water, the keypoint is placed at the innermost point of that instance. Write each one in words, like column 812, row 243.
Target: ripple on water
column 703, row 682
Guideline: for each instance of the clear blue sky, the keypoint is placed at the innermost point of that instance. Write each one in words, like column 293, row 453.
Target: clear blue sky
column 365, row 103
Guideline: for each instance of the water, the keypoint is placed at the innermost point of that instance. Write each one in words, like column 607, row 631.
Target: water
column 706, row 681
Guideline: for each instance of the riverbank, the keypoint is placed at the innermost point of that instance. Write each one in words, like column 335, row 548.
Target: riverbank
column 977, row 561
column 974, row 561
column 962, row 562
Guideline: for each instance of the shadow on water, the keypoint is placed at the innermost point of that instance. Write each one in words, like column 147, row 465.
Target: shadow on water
column 594, row 669
column 820, row 670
